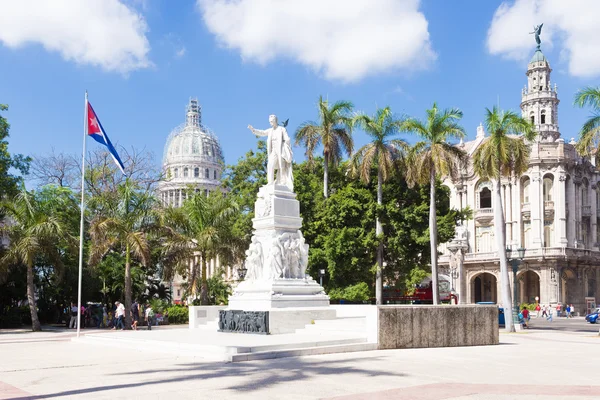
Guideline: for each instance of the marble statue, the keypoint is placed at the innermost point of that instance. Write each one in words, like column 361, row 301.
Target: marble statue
column 279, row 150
column 254, row 260
column 537, row 30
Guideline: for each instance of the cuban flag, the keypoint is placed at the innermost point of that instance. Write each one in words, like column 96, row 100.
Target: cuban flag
column 96, row 131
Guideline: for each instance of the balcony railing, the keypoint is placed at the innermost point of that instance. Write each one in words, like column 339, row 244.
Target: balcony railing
column 548, row 205
column 484, row 213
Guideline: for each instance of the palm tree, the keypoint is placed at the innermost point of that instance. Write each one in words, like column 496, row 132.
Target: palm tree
column 431, row 158
column 203, row 228
column 122, row 224
column 33, row 230
column 333, row 131
column 503, row 155
column 382, row 153
column 589, row 136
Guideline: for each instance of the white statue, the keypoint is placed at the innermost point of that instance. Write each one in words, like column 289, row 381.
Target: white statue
column 279, row 150
column 254, row 260
column 274, row 265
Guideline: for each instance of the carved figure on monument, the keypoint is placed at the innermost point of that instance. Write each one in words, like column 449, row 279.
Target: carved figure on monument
column 274, row 265
column 254, row 260
column 461, row 231
column 279, row 150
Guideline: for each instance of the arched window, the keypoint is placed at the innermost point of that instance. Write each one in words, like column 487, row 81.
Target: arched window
column 485, row 198
column 196, row 172
column 548, row 184
column 543, row 119
column 526, row 191
column 206, row 173
column 176, row 172
column 215, row 174
column 185, row 172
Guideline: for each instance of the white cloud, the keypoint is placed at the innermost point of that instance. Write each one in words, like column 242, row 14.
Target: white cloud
column 104, row 33
column 180, row 52
column 344, row 40
column 571, row 25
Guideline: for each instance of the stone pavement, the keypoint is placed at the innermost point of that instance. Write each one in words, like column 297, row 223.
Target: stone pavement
column 535, row 364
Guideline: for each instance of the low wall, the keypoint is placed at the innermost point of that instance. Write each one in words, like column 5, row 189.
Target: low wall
column 201, row 315
column 411, row 326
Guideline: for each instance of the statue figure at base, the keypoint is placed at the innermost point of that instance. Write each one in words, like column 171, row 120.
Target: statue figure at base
column 279, row 150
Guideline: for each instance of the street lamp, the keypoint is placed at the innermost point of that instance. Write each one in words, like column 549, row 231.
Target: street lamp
column 514, row 262
column 242, row 272
column 321, row 275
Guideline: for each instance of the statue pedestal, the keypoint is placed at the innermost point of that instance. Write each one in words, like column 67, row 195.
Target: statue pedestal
column 276, row 278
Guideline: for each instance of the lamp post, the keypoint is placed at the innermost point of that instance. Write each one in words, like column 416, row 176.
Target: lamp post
column 515, row 262
column 321, row 275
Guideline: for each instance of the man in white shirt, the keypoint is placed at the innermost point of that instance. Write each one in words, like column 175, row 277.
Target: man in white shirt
column 73, row 322
column 120, row 314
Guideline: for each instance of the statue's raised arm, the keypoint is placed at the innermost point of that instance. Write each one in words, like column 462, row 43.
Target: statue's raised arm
column 258, row 132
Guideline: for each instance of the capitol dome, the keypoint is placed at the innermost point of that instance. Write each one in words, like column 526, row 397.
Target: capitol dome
column 192, row 156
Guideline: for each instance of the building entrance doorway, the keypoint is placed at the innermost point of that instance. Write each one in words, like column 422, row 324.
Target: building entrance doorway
column 529, row 287
column 484, row 287
column 568, row 287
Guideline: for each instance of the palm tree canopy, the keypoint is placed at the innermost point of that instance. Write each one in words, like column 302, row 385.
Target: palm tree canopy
column 35, row 228
column 506, row 150
column 434, row 150
column 333, row 131
column 203, row 225
column 589, row 135
column 382, row 152
column 125, row 219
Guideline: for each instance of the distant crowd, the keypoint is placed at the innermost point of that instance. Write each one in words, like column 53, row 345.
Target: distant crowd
column 102, row 316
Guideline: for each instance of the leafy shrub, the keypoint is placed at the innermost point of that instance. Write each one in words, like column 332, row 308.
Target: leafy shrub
column 159, row 306
column 178, row 314
column 358, row 292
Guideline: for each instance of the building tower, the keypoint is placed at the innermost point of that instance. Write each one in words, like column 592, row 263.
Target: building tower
column 539, row 100
column 192, row 157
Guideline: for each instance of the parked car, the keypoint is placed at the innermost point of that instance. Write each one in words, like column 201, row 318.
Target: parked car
column 593, row 316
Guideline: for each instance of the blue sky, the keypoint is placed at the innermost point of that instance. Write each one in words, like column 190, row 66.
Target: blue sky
column 245, row 59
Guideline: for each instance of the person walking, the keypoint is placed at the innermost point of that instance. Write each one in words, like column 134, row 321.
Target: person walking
column 545, row 311
column 149, row 316
column 558, row 309
column 525, row 313
column 135, row 315
column 568, row 311
column 537, row 310
column 572, row 311
column 120, row 314
column 73, row 322
column 549, row 317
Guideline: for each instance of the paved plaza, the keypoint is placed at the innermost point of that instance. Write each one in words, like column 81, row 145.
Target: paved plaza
column 549, row 361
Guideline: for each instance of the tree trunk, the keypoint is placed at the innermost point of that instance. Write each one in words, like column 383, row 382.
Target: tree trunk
column 127, row 289
column 501, row 246
column 325, row 176
column 35, row 322
column 379, row 233
column 433, row 238
column 204, row 300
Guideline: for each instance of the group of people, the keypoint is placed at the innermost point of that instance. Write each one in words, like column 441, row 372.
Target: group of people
column 546, row 310
column 99, row 316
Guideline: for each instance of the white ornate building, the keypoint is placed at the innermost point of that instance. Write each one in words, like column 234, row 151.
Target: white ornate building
column 552, row 211
column 192, row 159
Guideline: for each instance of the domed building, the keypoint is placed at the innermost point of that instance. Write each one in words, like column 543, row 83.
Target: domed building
column 192, row 156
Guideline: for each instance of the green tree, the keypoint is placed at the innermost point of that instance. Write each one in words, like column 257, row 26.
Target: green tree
column 382, row 154
column 589, row 135
column 502, row 155
column 9, row 182
column 124, row 220
column 333, row 131
column 203, row 227
column 432, row 158
column 34, row 232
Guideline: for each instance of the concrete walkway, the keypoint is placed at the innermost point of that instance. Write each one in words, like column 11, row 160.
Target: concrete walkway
column 524, row 366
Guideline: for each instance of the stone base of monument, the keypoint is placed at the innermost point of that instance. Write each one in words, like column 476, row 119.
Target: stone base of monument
column 275, row 306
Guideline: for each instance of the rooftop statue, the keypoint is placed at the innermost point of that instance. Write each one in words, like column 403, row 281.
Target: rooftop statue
column 537, row 30
column 279, row 150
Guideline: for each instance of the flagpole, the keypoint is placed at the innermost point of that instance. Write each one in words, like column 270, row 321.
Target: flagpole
column 85, row 125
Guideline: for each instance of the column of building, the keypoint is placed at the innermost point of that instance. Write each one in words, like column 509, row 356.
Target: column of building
column 577, row 211
column 560, row 211
column 537, row 210
column 571, row 218
column 594, row 215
